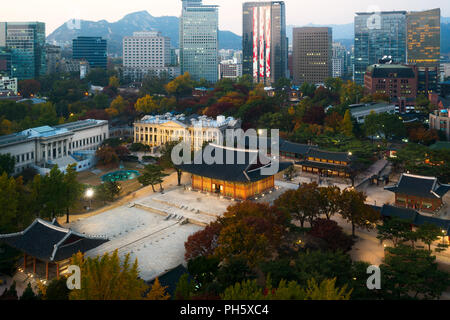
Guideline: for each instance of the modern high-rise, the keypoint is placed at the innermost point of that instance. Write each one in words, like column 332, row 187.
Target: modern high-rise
column 147, row 52
column 424, row 47
column 264, row 41
column 25, row 41
column 340, row 60
column 5, row 62
column 53, row 58
column 199, row 40
column 312, row 54
column 378, row 34
column 91, row 49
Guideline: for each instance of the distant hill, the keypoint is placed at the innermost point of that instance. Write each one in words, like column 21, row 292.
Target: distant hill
column 138, row 21
column 169, row 25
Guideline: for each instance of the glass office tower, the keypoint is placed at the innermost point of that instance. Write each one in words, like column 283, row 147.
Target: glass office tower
column 378, row 34
column 5, row 62
column 25, row 42
column 264, row 41
column 91, row 49
column 199, row 40
column 424, row 47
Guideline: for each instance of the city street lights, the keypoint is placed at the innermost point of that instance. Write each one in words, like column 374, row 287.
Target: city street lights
column 89, row 195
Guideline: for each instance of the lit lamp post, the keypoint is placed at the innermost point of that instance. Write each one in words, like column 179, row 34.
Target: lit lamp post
column 89, row 195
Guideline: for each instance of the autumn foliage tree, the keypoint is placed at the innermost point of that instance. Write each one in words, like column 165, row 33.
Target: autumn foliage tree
column 107, row 156
column 203, row 243
column 106, row 278
column 332, row 234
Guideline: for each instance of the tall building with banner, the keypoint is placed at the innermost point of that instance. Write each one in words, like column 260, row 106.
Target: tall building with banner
column 264, row 41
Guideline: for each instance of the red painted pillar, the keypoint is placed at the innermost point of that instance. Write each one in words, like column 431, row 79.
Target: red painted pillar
column 57, row 270
column 46, row 270
column 34, row 265
column 24, row 262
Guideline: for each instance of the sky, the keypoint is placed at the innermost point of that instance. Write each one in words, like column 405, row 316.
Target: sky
column 298, row 12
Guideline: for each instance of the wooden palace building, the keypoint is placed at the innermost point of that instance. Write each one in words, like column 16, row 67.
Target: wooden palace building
column 327, row 163
column 419, row 193
column 242, row 178
column 50, row 245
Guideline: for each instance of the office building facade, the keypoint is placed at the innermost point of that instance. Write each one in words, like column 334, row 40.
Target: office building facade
column 312, row 54
column 147, row 53
column 199, row 40
column 424, row 47
column 92, row 49
column 378, row 34
column 25, row 41
column 264, row 41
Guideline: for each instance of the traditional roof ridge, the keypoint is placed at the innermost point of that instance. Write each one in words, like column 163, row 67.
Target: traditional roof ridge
column 233, row 148
column 51, row 226
column 417, row 176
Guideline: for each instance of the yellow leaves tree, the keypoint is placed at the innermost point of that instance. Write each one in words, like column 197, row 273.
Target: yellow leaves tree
column 146, row 104
column 119, row 104
column 5, row 127
column 114, row 82
column 158, row 292
column 180, row 86
column 106, row 278
column 347, row 124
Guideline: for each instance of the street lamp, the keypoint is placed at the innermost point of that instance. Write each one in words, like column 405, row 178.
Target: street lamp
column 89, row 195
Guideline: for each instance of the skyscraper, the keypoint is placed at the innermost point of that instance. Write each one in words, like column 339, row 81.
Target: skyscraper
column 25, row 41
column 312, row 54
column 378, row 34
column 424, row 47
column 264, row 41
column 199, row 40
column 92, row 49
column 147, row 52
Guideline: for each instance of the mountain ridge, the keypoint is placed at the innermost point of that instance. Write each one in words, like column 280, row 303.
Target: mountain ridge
column 169, row 26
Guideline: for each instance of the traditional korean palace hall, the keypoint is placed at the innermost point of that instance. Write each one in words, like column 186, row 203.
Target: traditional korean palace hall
column 240, row 180
column 419, row 193
column 48, row 247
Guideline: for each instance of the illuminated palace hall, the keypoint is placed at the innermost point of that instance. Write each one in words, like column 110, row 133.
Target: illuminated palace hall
column 240, row 180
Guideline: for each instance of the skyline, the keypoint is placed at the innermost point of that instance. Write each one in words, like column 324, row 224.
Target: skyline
column 54, row 16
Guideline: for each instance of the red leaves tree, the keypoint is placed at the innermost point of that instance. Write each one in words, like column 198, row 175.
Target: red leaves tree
column 332, row 234
column 107, row 156
column 203, row 243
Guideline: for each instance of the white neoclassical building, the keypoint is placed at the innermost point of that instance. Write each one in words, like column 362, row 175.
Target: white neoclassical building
column 43, row 147
column 155, row 131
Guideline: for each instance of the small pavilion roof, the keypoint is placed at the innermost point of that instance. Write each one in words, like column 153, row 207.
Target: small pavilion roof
column 49, row 242
column 420, row 186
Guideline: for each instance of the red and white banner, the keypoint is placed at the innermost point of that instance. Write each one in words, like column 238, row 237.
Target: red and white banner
column 255, row 42
column 268, row 42
column 262, row 18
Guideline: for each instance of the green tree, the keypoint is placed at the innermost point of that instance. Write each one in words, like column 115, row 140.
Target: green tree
column 396, row 230
column 108, row 191
column 185, row 288
column 72, row 188
column 9, row 203
column 28, row 294
column 152, row 175
column 166, row 158
column 352, row 208
column 428, row 233
column 7, row 163
column 408, row 273
column 57, row 290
